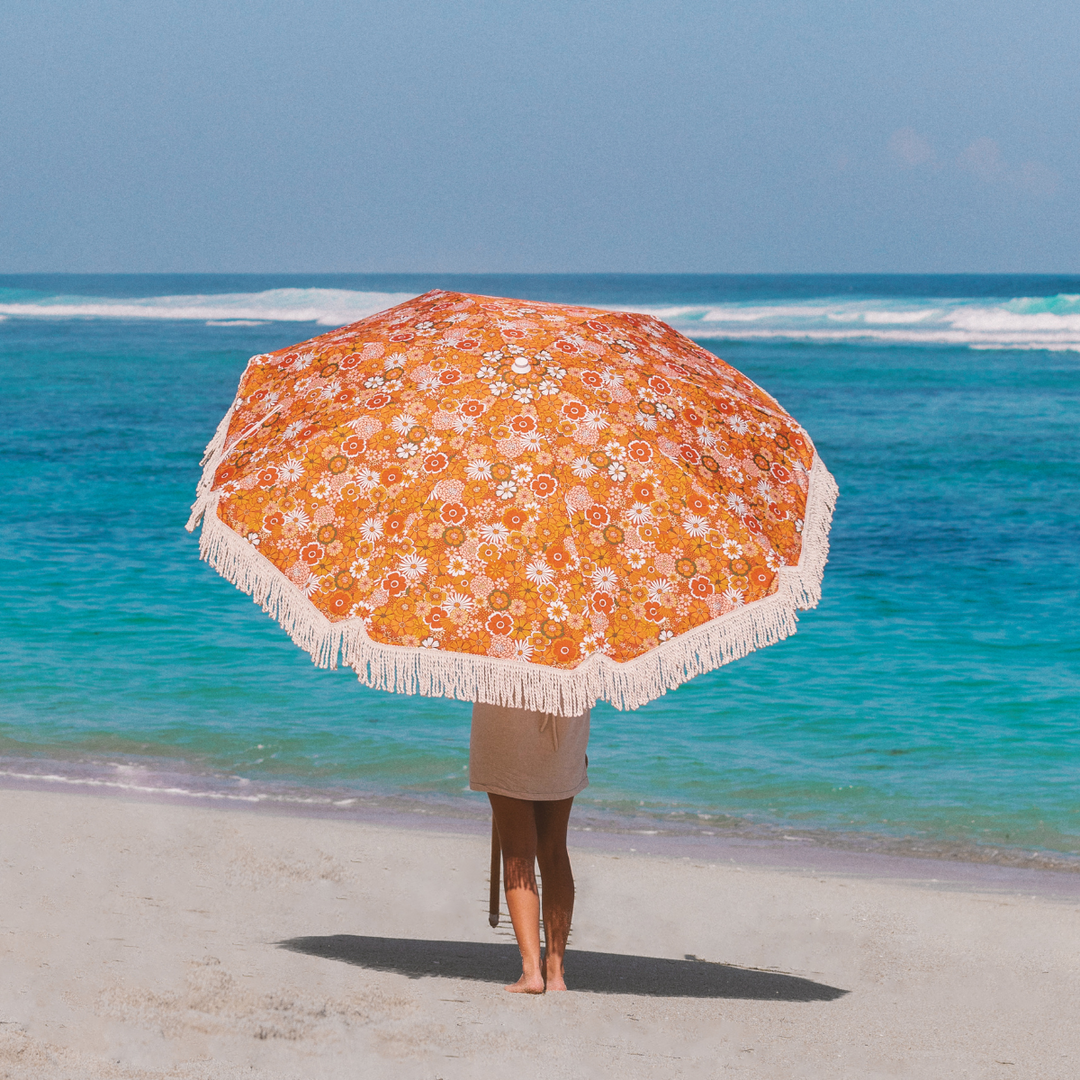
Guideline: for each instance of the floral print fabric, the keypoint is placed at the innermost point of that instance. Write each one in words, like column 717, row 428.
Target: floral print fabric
column 513, row 479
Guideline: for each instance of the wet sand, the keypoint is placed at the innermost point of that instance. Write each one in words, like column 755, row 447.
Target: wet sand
column 141, row 939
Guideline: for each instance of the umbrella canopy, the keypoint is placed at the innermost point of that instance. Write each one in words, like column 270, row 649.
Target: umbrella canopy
column 515, row 502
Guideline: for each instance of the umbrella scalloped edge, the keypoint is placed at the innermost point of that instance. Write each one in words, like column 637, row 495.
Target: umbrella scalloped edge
column 465, row 677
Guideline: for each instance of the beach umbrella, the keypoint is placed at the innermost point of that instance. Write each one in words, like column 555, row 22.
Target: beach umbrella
column 515, row 502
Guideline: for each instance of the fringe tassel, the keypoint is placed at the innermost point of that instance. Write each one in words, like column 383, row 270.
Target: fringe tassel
column 432, row 673
column 211, row 459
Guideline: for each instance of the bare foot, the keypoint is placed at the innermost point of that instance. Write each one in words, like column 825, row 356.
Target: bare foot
column 527, row 985
column 555, row 980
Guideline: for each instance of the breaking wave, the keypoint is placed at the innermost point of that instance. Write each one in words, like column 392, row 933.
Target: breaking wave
column 326, row 307
column 1049, row 322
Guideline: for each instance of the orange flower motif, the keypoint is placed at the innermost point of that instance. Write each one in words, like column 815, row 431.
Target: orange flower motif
column 640, row 450
column 312, row 553
column 453, row 514
column 574, row 410
column 523, row 425
column 515, row 518
column 268, row 477
column 603, row 602
column 661, row 386
column 472, row 408
column 597, row 515
column 780, row 472
column 436, row 618
column 391, row 476
column 557, row 557
column 566, row 649
column 701, row 587
column 544, row 485
column 761, row 577
column 353, row 446
column 339, row 604
column 500, row 623
column 394, row 583
column 435, row 462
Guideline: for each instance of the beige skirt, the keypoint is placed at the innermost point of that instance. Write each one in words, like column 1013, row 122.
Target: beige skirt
column 528, row 755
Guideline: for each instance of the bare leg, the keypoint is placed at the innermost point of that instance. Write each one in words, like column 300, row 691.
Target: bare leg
column 516, row 821
column 532, row 832
column 558, row 880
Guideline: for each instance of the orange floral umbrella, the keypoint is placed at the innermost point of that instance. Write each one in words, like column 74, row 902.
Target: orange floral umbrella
column 515, row 502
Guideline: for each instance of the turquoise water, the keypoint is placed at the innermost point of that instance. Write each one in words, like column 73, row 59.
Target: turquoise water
column 933, row 697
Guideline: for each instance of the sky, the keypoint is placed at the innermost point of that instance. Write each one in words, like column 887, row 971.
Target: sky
column 688, row 136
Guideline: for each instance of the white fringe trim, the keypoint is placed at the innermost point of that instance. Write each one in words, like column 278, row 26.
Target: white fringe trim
column 211, row 459
column 405, row 670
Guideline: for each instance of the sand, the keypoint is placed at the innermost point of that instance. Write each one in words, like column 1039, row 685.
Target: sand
column 142, row 940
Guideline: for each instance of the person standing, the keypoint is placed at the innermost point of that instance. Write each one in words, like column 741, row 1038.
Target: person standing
column 532, row 764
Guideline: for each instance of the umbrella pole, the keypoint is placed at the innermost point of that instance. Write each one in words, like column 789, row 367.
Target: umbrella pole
column 496, row 867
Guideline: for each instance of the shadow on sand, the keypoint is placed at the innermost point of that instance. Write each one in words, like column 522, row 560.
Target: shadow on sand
column 600, row 973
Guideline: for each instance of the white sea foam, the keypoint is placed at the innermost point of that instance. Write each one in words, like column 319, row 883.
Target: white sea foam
column 164, row 788
column 1048, row 322
column 1023, row 323
column 326, row 307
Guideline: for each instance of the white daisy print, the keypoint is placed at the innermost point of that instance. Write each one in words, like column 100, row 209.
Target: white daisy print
column 401, row 424
column 458, row 603
column 696, row 525
column 539, row 573
column 496, row 533
column 604, row 579
column 412, row 566
column 292, row 470
column 371, row 530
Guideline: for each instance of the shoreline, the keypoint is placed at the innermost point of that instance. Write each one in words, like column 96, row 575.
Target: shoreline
column 830, row 852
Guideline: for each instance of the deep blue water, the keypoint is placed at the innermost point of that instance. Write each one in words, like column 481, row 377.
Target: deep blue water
column 934, row 694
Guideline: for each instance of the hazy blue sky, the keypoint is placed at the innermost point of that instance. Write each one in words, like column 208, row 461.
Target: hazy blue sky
column 499, row 135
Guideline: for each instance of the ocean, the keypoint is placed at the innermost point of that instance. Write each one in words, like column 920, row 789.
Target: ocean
column 930, row 704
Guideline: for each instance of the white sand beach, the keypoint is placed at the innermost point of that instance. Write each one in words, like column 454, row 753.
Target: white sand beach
column 142, row 940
